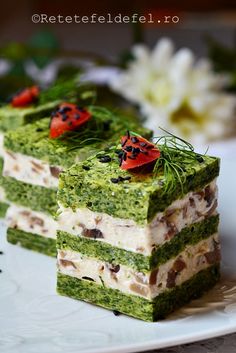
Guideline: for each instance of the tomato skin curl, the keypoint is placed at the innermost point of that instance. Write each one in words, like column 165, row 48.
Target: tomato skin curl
column 137, row 151
column 25, row 97
column 68, row 117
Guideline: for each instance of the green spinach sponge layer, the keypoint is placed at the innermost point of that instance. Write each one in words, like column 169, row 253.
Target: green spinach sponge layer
column 3, row 209
column 1, row 165
column 3, row 205
column 38, row 198
column 90, row 185
column 136, row 306
column 11, row 118
column 32, row 241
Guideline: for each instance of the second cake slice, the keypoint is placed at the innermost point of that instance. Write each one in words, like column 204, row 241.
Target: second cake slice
column 33, row 161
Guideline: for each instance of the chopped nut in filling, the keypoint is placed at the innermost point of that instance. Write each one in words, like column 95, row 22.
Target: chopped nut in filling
column 31, row 221
column 30, row 170
column 148, row 285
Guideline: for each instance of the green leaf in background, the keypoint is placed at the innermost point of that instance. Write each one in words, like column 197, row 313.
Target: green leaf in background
column 14, row 51
column 224, row 60
column 69, row 90
column 43, row 46
column 68, row 72
column 16, row 77
column 137, row 38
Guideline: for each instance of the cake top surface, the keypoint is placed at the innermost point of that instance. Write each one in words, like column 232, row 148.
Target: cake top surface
column 13, row 115
column 8, row 110
column 100, row 183
column 57, row 92
column 33, row 139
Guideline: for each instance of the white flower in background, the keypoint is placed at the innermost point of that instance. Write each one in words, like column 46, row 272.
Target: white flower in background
column 176, row 92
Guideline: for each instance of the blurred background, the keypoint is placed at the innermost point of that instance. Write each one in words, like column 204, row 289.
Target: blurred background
column 198, row 18
column 104, row 53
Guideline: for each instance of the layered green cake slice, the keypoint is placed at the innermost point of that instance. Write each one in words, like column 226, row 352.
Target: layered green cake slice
column 33, row 160
column 138, row 227
column 29, row 105
column 10, row 119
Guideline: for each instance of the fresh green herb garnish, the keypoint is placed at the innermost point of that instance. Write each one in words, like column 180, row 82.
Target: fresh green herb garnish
column 68, row 90
column 96, row 130
column 176, row 154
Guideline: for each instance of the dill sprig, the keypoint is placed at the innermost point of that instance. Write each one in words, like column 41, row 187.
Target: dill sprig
column 101, row 112
column 95, row 131
column 83, row 138
column 176, row 155
column 68, row 90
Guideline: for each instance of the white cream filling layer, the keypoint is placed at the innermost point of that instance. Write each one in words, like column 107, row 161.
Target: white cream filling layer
column 129, row 235
column 173, row 273
column 29, row 221
column 30, row 170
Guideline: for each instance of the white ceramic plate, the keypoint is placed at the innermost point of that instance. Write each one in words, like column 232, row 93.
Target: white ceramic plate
column 33, row 318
